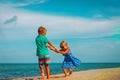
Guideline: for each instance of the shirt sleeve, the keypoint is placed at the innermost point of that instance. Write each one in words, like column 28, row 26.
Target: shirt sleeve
column 46, row 40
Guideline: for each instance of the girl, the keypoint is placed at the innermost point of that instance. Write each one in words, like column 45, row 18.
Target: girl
column 70, row 61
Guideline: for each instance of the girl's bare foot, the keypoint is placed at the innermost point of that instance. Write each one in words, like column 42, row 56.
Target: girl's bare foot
column 70, row 72
column 66, row 76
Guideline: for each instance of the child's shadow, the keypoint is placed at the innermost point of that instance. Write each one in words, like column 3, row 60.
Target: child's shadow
column 57, row 76
column 54, row 77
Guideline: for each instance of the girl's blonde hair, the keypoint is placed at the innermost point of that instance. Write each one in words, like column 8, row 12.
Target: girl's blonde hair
column 63, row 43
column 42, row 30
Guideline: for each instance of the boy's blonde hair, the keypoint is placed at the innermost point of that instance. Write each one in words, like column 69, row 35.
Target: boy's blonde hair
column 42, row 30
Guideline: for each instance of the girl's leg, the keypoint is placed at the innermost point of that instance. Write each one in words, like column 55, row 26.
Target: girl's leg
column 70, row 71
column 47, row 71
column 42, row 70
column 64, row 70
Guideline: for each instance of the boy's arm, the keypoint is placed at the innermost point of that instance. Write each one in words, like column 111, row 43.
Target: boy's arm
column 52, row 45
column 51, row 48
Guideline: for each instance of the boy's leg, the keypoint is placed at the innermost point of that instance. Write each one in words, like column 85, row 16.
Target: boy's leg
column 70, row 71
column 42, row 70
column 64, row 70
column 47, row 71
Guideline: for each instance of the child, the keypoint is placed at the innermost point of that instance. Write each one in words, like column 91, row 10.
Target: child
column 70, row 61
column 42, row 51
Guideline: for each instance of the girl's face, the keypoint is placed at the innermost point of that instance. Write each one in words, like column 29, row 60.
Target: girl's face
column 63, row 46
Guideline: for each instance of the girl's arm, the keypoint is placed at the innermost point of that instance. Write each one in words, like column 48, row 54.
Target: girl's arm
column 64, row 52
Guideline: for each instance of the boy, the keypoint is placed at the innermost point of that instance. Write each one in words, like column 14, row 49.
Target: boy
column 42, row 51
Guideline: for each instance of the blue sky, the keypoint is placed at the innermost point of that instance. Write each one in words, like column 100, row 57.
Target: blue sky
column 91, row 27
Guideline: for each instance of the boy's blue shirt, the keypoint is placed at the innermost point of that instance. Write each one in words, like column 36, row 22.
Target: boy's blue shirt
column 41, row 42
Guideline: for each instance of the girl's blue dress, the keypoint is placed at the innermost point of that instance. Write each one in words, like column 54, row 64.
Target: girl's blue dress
column 70, row 61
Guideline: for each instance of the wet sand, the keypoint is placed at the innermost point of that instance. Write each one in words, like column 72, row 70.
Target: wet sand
column 96, row 74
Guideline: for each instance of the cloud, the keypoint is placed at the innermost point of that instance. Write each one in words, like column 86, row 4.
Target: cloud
column 71, row 27
column 42, row 1
column 11, row 20
column 22, row 3
column 98, row 16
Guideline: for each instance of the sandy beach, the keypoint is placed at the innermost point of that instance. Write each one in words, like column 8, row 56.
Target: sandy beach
column 97, row 74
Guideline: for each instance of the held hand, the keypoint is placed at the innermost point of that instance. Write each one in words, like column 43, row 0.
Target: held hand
column 56, row 50
column 51, row 48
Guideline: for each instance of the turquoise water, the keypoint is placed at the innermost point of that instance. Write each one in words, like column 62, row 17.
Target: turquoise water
column 24, row 70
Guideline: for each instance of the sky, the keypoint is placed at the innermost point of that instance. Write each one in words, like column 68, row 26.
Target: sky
column 91, row 28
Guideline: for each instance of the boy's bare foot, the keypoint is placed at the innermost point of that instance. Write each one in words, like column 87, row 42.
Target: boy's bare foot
column 48, row 77
column 43, row 75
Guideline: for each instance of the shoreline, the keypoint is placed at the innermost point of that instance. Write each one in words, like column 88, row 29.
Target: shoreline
column 95, row 74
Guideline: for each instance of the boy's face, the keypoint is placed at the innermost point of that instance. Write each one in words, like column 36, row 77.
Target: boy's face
column 44, row 32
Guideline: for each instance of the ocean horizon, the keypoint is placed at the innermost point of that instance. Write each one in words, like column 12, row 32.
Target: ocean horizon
column 16, row 70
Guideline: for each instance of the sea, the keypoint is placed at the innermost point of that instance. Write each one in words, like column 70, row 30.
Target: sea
column 13, row 70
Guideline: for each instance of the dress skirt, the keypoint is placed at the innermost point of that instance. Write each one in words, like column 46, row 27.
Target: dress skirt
column 70, row 61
